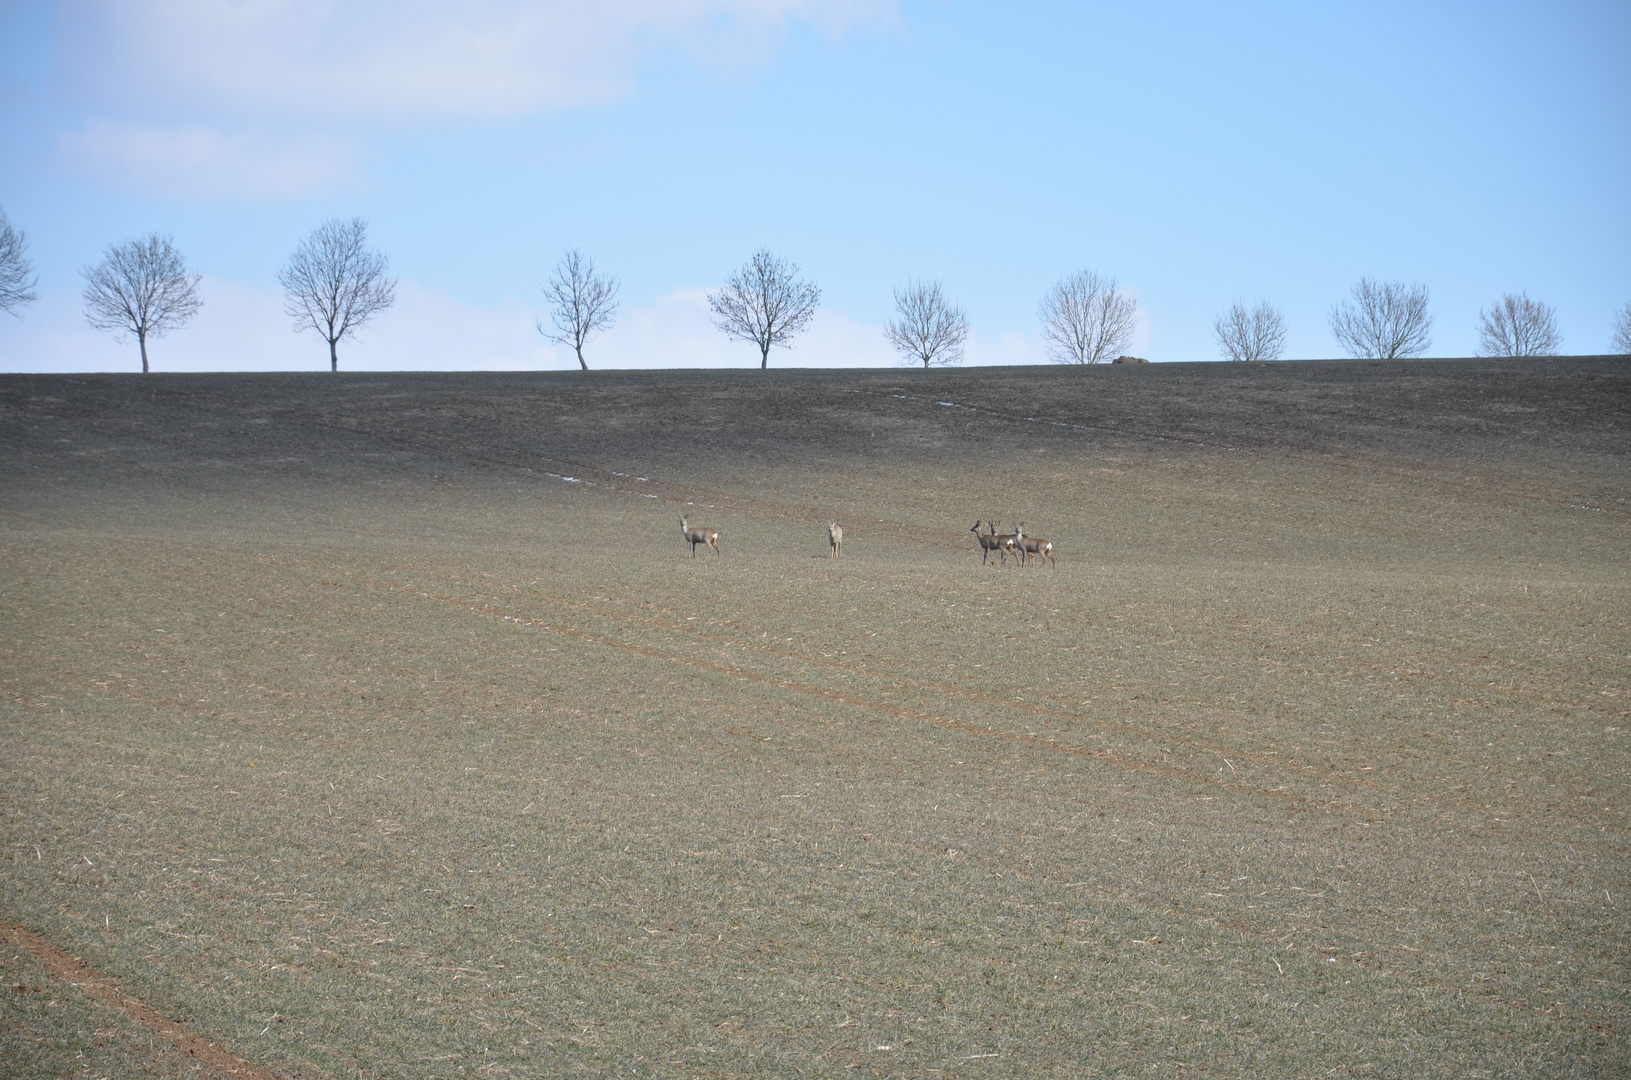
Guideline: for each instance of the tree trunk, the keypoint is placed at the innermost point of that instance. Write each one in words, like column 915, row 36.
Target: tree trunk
column 141, row 336
column 764, row 356
column 581, row 361
column 333, row 357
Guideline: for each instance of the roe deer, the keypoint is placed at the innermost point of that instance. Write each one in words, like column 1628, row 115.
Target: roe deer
column 835, row 540
column 1030, row 545
column 1009, row 544
column 700, row 536
column 989, row 542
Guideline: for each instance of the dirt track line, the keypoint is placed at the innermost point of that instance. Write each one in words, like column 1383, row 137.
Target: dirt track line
column 1031, row 741
column 79, row 974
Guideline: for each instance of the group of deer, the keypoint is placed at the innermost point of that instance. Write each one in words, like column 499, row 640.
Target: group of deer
column 710, row 537
column 1016, row 543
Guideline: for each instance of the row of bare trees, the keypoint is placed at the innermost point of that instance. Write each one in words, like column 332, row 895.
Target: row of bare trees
column 1086, row 318
column 335, row 283
column 765, row 302
column 1389, row 321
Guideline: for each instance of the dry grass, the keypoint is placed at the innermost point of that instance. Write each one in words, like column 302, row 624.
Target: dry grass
column 342, row 725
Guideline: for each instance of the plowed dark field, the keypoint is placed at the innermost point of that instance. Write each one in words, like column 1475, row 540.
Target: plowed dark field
column 384, row 726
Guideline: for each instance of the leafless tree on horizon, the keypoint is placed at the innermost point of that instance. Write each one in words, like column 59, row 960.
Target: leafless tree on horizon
column 334, row 283
column 1518, row 326
column 1621, row 343
column 581, row 302
column 765, row 302
column 17, row 279
column 1086, row 319
column 1258, row 334
column 930, row 328
column 1383, row 321
column 141, row 287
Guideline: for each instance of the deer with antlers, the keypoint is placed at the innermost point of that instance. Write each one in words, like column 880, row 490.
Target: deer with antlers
column 699, row 536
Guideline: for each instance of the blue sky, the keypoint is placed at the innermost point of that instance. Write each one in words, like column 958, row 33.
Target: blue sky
column 1198, row 153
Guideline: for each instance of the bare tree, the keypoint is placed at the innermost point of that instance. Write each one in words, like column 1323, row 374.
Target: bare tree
column 1086, row 319
column 1258, row 334
column 334, row 283
column 930, row 329
column 1518, row 326
column 765, row 302
column 141, row 287
column 581, row 303
column 17, row 278
column 1383, row 321
column 1622, row 330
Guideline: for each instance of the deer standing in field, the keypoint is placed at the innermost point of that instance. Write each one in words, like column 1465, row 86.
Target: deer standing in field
column 1031, row 545
column 700, row 536
column 835, row 540
column 1008, row 543
column 989, row 542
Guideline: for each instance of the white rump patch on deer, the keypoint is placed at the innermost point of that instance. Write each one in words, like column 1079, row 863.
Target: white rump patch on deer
column 699, row 536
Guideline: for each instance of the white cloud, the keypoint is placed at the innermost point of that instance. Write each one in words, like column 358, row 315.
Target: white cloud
column 202, row 164
column 334, row 60
column 207, row 100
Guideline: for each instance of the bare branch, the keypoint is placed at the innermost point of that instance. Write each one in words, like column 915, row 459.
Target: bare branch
column 141, row 287
column 1518, row 326
column 581, row 302
column 1086, row 319
column 1383, row 321
column 1622, row 330
column 931, row 329
column 765, row 302
column 1258, row 334
column 334, row 283
column 17, row 278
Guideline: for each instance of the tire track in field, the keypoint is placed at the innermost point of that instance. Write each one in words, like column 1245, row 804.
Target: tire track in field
column 80, row 975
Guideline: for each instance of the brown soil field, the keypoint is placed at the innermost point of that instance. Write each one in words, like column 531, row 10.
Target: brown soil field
column 383, row 726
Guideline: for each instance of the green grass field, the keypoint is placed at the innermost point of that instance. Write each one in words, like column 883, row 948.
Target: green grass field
column 382, row 726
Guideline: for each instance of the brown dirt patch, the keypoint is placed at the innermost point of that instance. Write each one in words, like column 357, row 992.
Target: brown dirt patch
column 77, row 973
